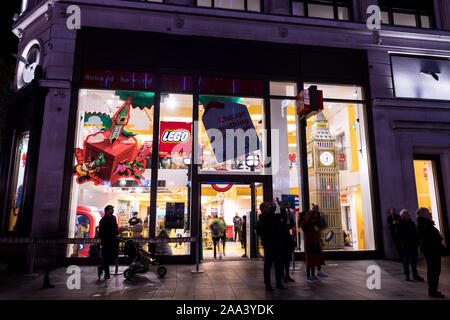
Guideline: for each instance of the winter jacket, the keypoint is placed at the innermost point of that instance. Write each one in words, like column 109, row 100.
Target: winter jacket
column 430, row 240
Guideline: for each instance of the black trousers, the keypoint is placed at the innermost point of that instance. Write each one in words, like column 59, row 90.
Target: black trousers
column 273, row 255
column 410, row 258
column 236, row 233
column 433, row 271
column 398, row 245
column 216, row 241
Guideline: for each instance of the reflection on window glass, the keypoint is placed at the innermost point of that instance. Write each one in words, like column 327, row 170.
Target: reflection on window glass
column 298, row 8
column 343, row 13
column 230, row 4
column 405, row 19
column 425, row 20
column 112, row 163
column 231, row 133
column 320, row 11
column 338, row 175
column 254, row 5
column 172, row 216
column 204, row 3
column 384, row 17
column 20, row 162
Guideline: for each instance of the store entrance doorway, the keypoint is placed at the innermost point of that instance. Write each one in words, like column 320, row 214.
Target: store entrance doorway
column 429, row 189
column 238, row 205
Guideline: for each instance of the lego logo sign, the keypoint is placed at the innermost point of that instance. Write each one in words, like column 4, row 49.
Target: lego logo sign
column 175, row 137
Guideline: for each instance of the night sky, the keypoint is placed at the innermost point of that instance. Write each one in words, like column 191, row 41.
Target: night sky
column 9, row 43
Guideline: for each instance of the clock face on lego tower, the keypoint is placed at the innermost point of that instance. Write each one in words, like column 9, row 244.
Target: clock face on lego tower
column 326, row 158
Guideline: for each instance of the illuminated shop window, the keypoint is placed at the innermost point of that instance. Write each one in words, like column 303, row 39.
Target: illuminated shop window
column 243, row 5
column 243, row 117
column 285, row 164
column 325, row 9
column 338, row 168
column 172, row 214
column 112, row 163
column 285, row 161
column 411, row 13
column 17, row 192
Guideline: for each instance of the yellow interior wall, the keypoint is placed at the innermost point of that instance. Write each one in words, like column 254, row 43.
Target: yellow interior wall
column 353, row 140
column 359, row 218
column 422, row 188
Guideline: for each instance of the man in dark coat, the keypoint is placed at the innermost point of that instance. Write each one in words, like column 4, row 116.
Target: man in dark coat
column 393, row 220
column 408, row 238
column 288, row 246
column 237, row 224
column 430, row 242
column 270, row 231
column 108, row 232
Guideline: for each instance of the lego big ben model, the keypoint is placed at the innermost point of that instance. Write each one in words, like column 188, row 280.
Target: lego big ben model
column 323, row 176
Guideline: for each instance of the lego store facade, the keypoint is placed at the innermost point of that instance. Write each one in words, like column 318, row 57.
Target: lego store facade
column 139, row 138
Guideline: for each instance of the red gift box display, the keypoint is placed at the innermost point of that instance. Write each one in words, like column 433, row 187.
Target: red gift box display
column 112, row 154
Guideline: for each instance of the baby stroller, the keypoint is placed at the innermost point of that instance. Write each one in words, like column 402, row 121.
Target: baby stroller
column 141, row 260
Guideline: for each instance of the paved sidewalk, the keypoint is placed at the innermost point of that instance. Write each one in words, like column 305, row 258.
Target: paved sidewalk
column 228, row 280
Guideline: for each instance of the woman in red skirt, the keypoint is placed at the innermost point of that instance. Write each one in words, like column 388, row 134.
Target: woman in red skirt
column 313, row 248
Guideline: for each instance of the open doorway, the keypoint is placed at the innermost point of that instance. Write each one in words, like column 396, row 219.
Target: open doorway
column 238, row 205
column 429, row 189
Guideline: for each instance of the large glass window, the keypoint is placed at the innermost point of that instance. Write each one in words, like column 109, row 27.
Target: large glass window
column 112, row 163
column 338, row 172
column 408, row 13
column 231, row 135
column 172, row 204
column 245, row 5
column 20, row 162
column 325, row 9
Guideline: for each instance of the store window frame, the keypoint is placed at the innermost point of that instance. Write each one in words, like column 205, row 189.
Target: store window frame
column 392, row 8
column 196, row 178
column 373, row 183
column 213, row 6
column 436, row 159
column 335, row 4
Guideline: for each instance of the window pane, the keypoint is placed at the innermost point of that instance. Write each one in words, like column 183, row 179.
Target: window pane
column 343, row 13
column 320, row 11
column 288, row 89
column 405, row 19
column 20, row 162
column 204, row 3
column 384, row 17
column 229, row 4
column 425, row 20
column 223, row 146
column 298, row 8
column 254, row 5
column 112, row 163
column 338, row 175
column 338, row 91
column 172, row 217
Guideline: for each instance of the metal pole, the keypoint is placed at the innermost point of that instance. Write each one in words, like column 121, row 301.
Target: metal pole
column 197, row 262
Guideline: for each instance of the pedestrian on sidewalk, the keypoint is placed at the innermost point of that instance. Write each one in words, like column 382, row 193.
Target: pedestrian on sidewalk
column 430, row 242
column 288, row 246
column 108, row 232
column 393, row 220
column 217, row 231
column 313, row 248
column 224, row 237
column 270, row 230
column 237, row 224
column 243, row 235
column 407, row 234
